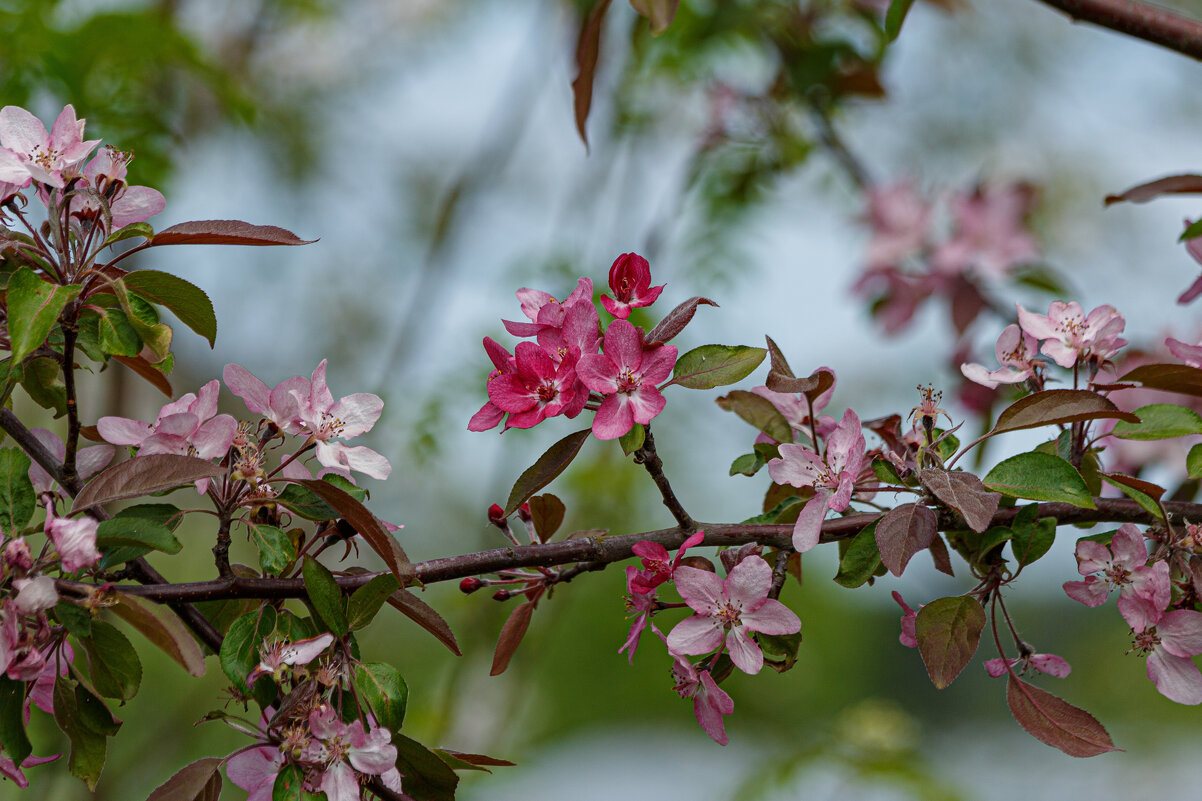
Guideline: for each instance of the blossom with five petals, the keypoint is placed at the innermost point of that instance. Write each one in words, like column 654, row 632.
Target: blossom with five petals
column 45, row 156
column 630, row 280
column 189, row 426
column 538, row 388
column 726, row 611
column 106, row 173
column 832, row 478
column 1070, row 336
column 1143, row 590
column 990, row 235
column 1170, row 640
column 626, row 374
column 1044, row 663
column 710, row 702
column 345, row 749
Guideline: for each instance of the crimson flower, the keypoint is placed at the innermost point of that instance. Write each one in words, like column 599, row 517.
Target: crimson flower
column 626, row 374
column 656, row 567
column 538, row 388
column 630, row 280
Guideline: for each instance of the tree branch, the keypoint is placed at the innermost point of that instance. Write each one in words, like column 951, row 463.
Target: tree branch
column 648, row 458
column 1145, row 21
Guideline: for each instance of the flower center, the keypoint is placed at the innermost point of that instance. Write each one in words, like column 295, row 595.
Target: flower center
column 629, row 381
column 547, row 391
column 330, row 426
column 1145, row 641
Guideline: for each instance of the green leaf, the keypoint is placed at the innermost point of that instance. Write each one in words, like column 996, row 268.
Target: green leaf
column 759, row 412
column 33, row 309
column 895, row 16
column 712, row 366
column 118, row 337
column 886, row 472
column 42, row 381
column 385, row 691
column 128, row 232
column 1032, row 540
column 325, row 596
column 1193, row 461
column 17, row 498
column 780, row 650
column 748, row 464
column 276, row 549
column 240, row 648
column 290, row 785
column 1040, row 477
column 136, row 531
column 74, row 618
column 185, row 300
column 426, row 776
column 1160, row 421
column 305, row 503
column 113, row 663
column 12, row 720
column 366, row 601
column 1192, row 231
column 1145, row 493
column 553, row 462
column 948, row 631
column 88, row 746
column 633, row 439
column 859, row 562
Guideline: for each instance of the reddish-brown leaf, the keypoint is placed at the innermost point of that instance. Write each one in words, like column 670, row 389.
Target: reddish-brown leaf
column 553, row 462
column 588, row 48
column 163, row 628
column 143, row 475
column 965, row 493
column 1146, row 487
column 547, row 513
column 1168, row 377
column 903, row 532
column 948, row 631
column 939, row 554
column 226, row 232
column 781, row 377
column 191, row 783
column 1054, row 721
column 148, row 371
column 1171, row 185
column 364, row 522
column 1054, row 406
column 675, row 320
column 476, row 759
column 424, row 615
column 511, row 636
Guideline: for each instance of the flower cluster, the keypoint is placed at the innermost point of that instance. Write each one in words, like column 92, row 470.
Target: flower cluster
column 726, row 613
column 570, row 366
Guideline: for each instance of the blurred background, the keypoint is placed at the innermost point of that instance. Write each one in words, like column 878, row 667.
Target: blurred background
column 431, row 147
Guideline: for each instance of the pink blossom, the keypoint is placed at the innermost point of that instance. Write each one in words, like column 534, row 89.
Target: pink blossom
column 538, row 388
column 17, row 555
column 644, row 605
column 1170, row 640
column 46, row 156
column 9, row 769
column 656, row 567
column 280, row 653
column 1044, row 663
column 1016, row 352
column 278, row 404
column 54, row 665
column 88, row 461
column 630, row 281
column 189, row 426
column 900, row 219
column 1070, row 336
column 909, row 620
column 324, row 420
column 74, row 538
column 105, row 174
column 504, row 364
column 626, row 374
column 1193, row 246
column 345, row 749
column 728, row 611
column 544, row 311
column 255, row 771
column 1190, row 354
column 34, row 595
column 1143, row 590
column 710, row 702
column 990, row 235
column 832, row 478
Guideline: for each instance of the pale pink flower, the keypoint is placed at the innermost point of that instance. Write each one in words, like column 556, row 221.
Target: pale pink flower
column 900, row 219
column 909, row 621
column 1170, row 640
column 345, row 749
column 710, row 702
column 325, row 420
column 74, row 538
column 1143, row 590
column 34, row 595
column 54, row 665
column 255, row 771
column 728, row 611
column 106, row 173
column 189, row 426
column 630, row 281
column 280, row 653
column 14, row 175
column 1016, row 353
column 88, row 461
column 833, row 478
column 990, row 236
column 656, row 567
column 626, row 374
column 538, row 388
column 1070, row 336
column 1190, row 354
column 17, row 555
column 1043, row 663
column 46, row 156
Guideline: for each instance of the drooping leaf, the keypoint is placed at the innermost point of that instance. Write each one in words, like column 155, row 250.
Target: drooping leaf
column 1145, row 493
column 12, row 720
column 163, row 628
column 33, row 308
column 675, row 320
column 186, row 301
column 1054, row 406
column 1054, row 721
column 903, row 532
column 712, row 366
column 948, row 631
column 588, row 48
column 780, row 650
column 458, row 760
column 1160, row 421
column 886, row 472
column 17, row 498
column 759, row 412
column 427, row 777
column 861, row 559
column 225, row 232
column 88, row 746
column 198, row 781
column 366, row 601
column 1040, row 477
column 940, row 556
column 149, row 372
column 305, row 503
column 143, row 475
column 1193, row 461
column 511, row 636
column 895, row 15
column 43, row 382
column 1030, row 539
column 965, row 493
column 113, row 663
column 1170, row 185
column 325, row 596
column 424, row 615
column 547, row 513
column 553, row 462
column 364, row 522
column 1167, row 377
column 385, row 691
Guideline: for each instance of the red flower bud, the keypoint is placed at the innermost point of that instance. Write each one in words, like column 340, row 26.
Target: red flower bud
column 496, row 515
column 470, row 585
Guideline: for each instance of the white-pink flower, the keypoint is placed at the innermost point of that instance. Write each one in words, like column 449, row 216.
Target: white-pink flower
column 1143, row 590
column 45, row 156
column 832, row 478
column 1044, row 663
column 189, row 426
column 1016, row 353
column 280, row 653
column 106, row 173
column 325, row 420
column 74, row 538
column 990, row 236
column 255, row 771
column 1069, row 335
column 728, row 611
column 1170, row 640
column 345, row 749
column 88, row 461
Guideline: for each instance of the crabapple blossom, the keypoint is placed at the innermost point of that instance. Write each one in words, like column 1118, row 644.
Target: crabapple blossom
column 728, row 610
column 644, row 604
column 1193, row 246
column 900, row 219
column 1016, row 353
column 990, row 235
column 832, row 478
column 45, row 156
column 278, row 654
column 539, row 388
column 1143, row 589
column 1190, row 354
column 255, row 771
column 1169, row 640
column 909, row 621
column 74, row 538
column 710, row 702
column 626, row 374
column 1044, row 663
column 189, row 426
column 106, row 173
column 544, row 311
column 34, row 594
column 656, row 567
column 88, row 461
column 1070, row 336
column 630, row 281
column 490, row 415
column 323, row 420
column 347, row 748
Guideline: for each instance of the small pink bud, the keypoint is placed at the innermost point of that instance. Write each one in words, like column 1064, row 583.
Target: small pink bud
column 470, row 585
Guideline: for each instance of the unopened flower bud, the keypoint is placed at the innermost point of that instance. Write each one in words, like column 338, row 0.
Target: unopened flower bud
column 501, row 595
column 524, row 513
column 470, row 585
column 699, row 562
column 496, row 515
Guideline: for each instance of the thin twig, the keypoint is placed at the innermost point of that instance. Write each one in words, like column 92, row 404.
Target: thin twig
column 1154, row 24
column 648, row 458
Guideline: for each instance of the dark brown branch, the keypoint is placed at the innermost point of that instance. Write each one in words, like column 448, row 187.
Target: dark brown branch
column 1151, row 23
column 600, row 551
column 648, row 458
